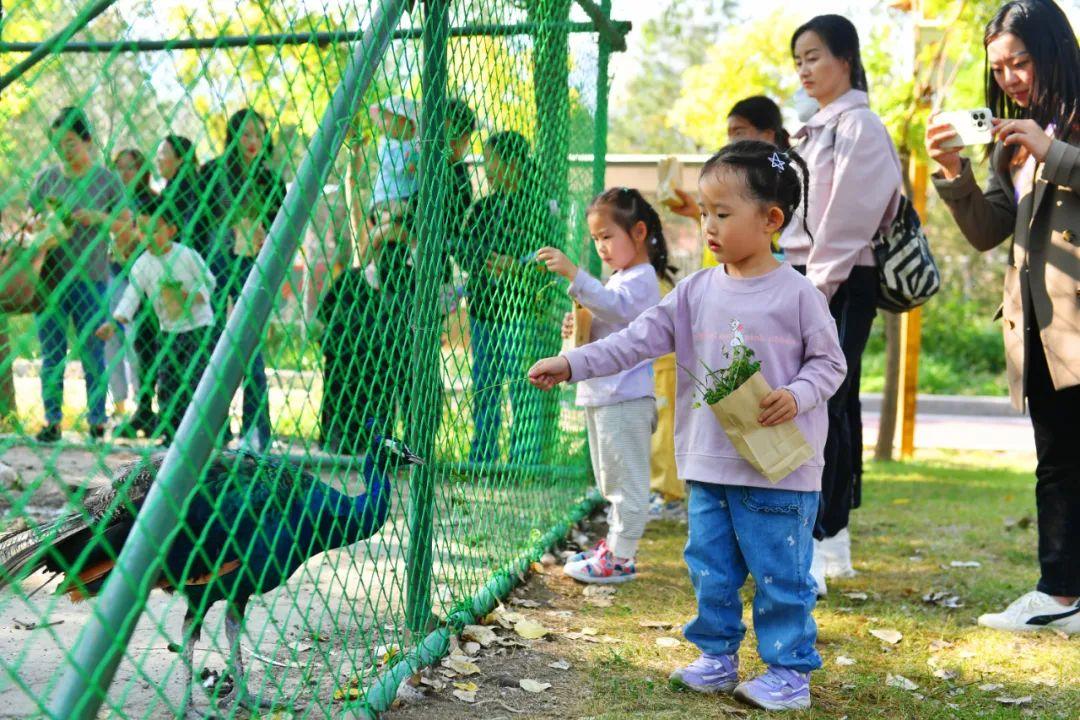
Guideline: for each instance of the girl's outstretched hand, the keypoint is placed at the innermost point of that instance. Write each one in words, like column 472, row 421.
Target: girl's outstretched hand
column 778, row 407
column 549, row 372
column 557, row 262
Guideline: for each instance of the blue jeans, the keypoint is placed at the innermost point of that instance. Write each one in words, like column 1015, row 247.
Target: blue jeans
column 767, row 533
column 230, row 274
column 86, row 304
column 498, row 350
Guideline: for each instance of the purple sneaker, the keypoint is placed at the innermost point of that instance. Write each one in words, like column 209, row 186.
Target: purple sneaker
column 709, row 674
column 778, row 689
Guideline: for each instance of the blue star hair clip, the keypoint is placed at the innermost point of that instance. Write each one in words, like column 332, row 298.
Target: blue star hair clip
column 777, row 162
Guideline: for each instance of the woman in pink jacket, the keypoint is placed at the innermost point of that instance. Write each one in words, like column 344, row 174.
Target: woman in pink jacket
column 855, row 180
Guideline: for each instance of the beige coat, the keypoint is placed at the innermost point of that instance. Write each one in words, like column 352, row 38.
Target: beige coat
column 1042, row 280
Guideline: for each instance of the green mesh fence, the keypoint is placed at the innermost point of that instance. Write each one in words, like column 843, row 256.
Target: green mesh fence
column 269, row 297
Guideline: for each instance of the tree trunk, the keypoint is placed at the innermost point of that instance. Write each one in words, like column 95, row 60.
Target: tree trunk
column 890, row 393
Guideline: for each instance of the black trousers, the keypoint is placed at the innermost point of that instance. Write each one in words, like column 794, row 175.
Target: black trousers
column 1055, row 416
column 854, row 307
column 184, row 357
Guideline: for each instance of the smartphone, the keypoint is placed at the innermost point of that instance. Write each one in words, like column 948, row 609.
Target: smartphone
column 972, row 127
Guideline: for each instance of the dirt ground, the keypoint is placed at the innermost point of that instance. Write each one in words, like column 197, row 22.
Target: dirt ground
column 549, row 599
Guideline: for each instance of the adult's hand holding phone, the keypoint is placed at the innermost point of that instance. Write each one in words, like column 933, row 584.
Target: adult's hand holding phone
column 938, row 136
column 1025, row 133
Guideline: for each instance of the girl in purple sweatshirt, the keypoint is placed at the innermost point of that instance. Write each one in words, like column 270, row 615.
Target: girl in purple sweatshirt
column 620, row 410
column 740, row 523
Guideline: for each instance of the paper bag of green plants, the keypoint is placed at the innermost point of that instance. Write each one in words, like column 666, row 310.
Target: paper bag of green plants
column 734, row 395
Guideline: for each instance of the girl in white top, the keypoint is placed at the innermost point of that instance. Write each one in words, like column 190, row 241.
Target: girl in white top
column 620, row 409
column 177, row 282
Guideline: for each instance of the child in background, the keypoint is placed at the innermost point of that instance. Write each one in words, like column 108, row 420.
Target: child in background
column 178, row 283
column 396, row 185
column 620, row 410
column 739, row 522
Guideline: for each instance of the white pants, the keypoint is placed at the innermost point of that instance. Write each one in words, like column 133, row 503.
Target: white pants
column 620, row 446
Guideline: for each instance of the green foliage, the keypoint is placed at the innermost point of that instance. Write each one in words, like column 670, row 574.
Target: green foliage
column 676, row 40
column 718, row 384
column 747, row 59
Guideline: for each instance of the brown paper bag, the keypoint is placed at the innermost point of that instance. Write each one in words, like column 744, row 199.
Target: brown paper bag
column 775, row 451
column 582, row 326
column 669, row 170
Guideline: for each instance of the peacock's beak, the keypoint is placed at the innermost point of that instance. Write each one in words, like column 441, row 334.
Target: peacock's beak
column 411, row 457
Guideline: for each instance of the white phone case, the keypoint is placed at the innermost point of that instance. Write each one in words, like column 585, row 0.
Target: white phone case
column 972, row 127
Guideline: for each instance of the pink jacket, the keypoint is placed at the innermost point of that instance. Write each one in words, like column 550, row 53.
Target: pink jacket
column 855, row 181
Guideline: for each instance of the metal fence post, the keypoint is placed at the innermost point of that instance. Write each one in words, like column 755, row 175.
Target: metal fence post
column 600, row 127
column 101, row 644
column 425, row 411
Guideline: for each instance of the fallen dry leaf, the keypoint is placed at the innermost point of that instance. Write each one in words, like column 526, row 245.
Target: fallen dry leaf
column 890, row 636
column 844, row 661
column 946, row 674
column 461, row 665
column 936, row 645
column 991, row 687
column 479, row 633
column 533, row 686
column 965, row 564
column 470, row 648
column 656, row 624
column 598, row 591
column 1014, row 700
column 899, row 681
column 463, row 696
column 530, row 629
column 943, row 599
column 855, row 595
column 467, row 686
column 600, row 602
column 589, row 631
column 559, row 665
column 667, row 642
column 525, row 603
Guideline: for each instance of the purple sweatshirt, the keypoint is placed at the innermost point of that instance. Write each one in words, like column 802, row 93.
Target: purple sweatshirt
column 780, row 315
column 628, row 293
column 855, row 180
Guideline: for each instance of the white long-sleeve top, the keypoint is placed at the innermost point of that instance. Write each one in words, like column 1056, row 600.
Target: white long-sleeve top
column 627, row 294
column 159, row 278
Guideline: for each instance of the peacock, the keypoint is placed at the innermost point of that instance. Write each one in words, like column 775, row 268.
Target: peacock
column 249, row 524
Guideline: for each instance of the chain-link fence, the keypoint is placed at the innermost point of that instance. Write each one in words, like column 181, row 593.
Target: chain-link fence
column 269, row 294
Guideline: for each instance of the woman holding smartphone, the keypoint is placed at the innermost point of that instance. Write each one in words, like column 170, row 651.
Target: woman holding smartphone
column 1033, row 196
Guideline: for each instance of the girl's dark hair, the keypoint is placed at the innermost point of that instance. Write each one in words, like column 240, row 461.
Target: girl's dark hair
column 842, row 39
column 628, row 208
column 509, row 146
column 184, row 149
column 236, row 171
column 1044, row 28
column 141, row 189
column 73, row 119
column 763, row 114
column 770, row 175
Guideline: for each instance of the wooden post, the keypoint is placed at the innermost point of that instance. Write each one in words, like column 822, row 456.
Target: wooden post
column 911, row 329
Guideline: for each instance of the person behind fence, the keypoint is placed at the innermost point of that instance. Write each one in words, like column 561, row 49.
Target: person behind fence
column 501, row 235
column 856, row 179
column 739, row 522
column 620, row 410
column 176, row 281
column 393, row 196
column 243, row 195
column 129, row 364
column 87, row 201
column 1033, row 195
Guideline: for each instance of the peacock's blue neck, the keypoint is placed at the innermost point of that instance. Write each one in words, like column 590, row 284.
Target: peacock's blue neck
column 362, row 515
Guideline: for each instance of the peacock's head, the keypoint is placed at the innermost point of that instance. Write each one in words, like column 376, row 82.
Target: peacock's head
column 390, row 453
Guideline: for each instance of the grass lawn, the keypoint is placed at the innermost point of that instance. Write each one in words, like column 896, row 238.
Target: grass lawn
column 916, row 518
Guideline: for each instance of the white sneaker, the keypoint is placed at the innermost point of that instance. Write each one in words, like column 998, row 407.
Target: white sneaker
column 1035, row 611
column 817, row 569
column 836, row 552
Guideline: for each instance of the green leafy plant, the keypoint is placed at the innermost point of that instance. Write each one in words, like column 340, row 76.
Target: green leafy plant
column 718, row 384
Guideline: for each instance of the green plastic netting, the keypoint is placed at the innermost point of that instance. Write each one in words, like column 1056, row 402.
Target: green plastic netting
column 326, row 213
